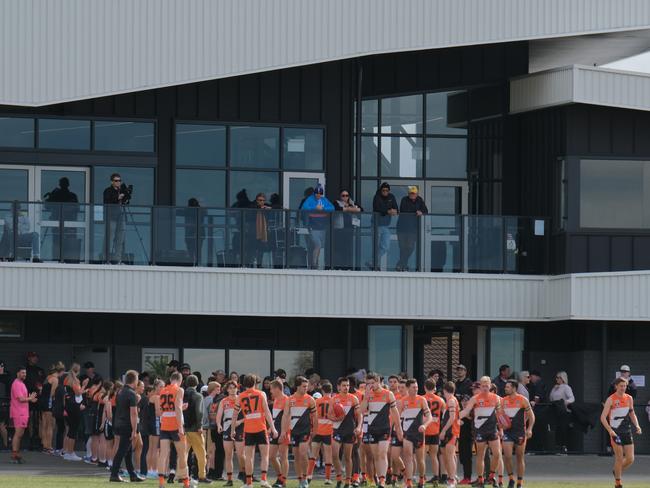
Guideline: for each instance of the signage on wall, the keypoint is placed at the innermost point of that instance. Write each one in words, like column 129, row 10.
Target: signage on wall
column 639, row 379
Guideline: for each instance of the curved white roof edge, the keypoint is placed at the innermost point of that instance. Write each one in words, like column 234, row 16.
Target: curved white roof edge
column 62, row 50
column 593, row 85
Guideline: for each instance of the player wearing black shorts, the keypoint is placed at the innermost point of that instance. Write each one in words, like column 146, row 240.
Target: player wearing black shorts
column 618, row 418
column 415, row 419
column 522, row 419
column 346, row 429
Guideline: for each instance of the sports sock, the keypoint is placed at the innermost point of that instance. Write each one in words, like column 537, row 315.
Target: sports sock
column 347, row 480
column 229, row 476
column 186, row 482
column 161, row 480
column 500, row 479
column 311, row 466
column 355, row 477
column 480, row 480
column 382, row 480
column 520, row 481
column 328, row 471
column 249, row 479
column 409, row 482
column 421, row 480
column 263, row 476
column 339, row 477
column 511, row 476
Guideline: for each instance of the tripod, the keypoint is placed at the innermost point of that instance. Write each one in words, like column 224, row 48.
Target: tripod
column 125, row 213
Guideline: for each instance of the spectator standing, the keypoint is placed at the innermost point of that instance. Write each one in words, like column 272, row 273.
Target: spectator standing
column 500, row 381
column 317, row 207
column 113, row 198
column 563, row 394
column 34, row 383
column 522, row 384
column 536, row 387
column 344, row 225
column 125, row 424
column 411, row 207
column 192, row 421
column 257, row 230
column 626, row 374
column 281, row 375
column 19, row 411
column 384, row 204
column 465, row 442
column 209, row 424
column 5, row 386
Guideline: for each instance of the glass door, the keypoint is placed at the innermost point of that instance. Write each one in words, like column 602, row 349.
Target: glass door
column 16, row 185
column 447, row 203
column 63, row 221
column 298, row 186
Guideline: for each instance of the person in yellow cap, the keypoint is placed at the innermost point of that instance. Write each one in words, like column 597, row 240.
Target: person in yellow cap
column 411, row 208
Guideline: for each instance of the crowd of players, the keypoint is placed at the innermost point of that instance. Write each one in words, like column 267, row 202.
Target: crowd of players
column 368, row 431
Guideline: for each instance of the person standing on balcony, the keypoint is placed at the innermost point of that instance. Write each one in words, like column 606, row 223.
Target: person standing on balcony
column 344, row 225
column 114, row 197
column 318, row 207
column 411, row 207
column 385, row 205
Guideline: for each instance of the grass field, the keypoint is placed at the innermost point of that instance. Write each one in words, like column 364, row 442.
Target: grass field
column 94, row 481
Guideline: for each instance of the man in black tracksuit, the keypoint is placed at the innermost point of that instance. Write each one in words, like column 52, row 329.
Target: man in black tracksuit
column 411, row 208
column 385, row 205
column 465, row 442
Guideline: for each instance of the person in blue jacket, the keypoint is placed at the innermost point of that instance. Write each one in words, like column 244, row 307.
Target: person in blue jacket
column 317, row 207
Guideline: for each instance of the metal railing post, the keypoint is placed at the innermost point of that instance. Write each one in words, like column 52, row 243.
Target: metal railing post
column 14, row 237
column 61, row 230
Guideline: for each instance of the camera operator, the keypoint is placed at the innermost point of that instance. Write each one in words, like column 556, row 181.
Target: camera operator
column 115, row 196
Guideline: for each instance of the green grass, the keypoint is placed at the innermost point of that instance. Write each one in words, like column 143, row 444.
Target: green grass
column 95, row 481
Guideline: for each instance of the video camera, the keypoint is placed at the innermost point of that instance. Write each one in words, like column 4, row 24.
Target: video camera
column 127, row 190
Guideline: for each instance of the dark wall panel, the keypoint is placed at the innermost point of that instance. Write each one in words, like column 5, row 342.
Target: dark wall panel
column 208, row 100
column 229, row 99
column 249, row 98
column 270, row 96
column 290, row 95
column 621, row 253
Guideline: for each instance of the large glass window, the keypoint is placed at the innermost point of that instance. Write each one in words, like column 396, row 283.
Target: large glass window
column 303, row 149
column 447, row 158
column 447, row 113
column 64, row 134
column 369, row 150
column 14, row 185
column 200, row 145
column 124, row 136
column 369, row 116
column 293, row 362
column 246, row 184
column 402, row 115
column 141, row 179
column 16, row 132
column 401, row 157
column 506, row 347
column 205, row 361
column 249, row 361
column 255, row 147
column 614, row 194
column 207, row 186
column 385, row 349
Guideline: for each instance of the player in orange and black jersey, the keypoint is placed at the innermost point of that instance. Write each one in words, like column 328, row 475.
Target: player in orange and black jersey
column 522, row 419
column 485, row 406
column 322, row 440
column 257, row 417
column 231, row 429
column 618, row 418
column 171, row 430
column 380, row 409
column 299, row 419
column 397, row 467
column 279, row 450
column 450, row 431
column 415, row 419
column 346, row 429
column 437, row 408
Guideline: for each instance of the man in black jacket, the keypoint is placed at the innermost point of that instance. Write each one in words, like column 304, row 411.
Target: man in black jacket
column 465, row 441
column 192, row 421
column 411, row 208
column 384, row 204
column 114, row 198
column 125, row 424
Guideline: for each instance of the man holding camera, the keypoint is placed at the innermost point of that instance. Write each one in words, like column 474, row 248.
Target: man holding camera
column 115, row 196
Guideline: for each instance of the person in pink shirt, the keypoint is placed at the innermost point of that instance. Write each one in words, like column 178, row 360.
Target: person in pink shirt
column 19, row 411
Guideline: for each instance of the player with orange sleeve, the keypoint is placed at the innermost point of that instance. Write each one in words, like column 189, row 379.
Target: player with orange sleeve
column 322, row 440
column 171, row 430
column 257, row 416
column 450, row 431
column 437, row 407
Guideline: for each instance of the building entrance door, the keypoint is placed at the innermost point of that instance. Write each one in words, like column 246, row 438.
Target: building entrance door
column 296, row 187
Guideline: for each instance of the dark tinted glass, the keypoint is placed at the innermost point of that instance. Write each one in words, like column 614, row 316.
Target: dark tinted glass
column 244, row 185
column 141, row 179
column 369, row 150
column 64, row 134
column 614, row 194
column 200, row 145
column 303, row 149
column 124, row 136
column 255, row 147
column 447, row 113
column 447, row 158
column 207, row 186
column 14, row 185
column 16, row 132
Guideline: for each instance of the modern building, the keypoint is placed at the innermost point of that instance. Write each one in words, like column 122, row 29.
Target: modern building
column 524, row 125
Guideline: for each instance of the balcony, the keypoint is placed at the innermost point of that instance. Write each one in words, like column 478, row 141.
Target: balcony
column 274, row 239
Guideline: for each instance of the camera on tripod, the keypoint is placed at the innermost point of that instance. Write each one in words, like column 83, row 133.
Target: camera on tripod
column 127, row 190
